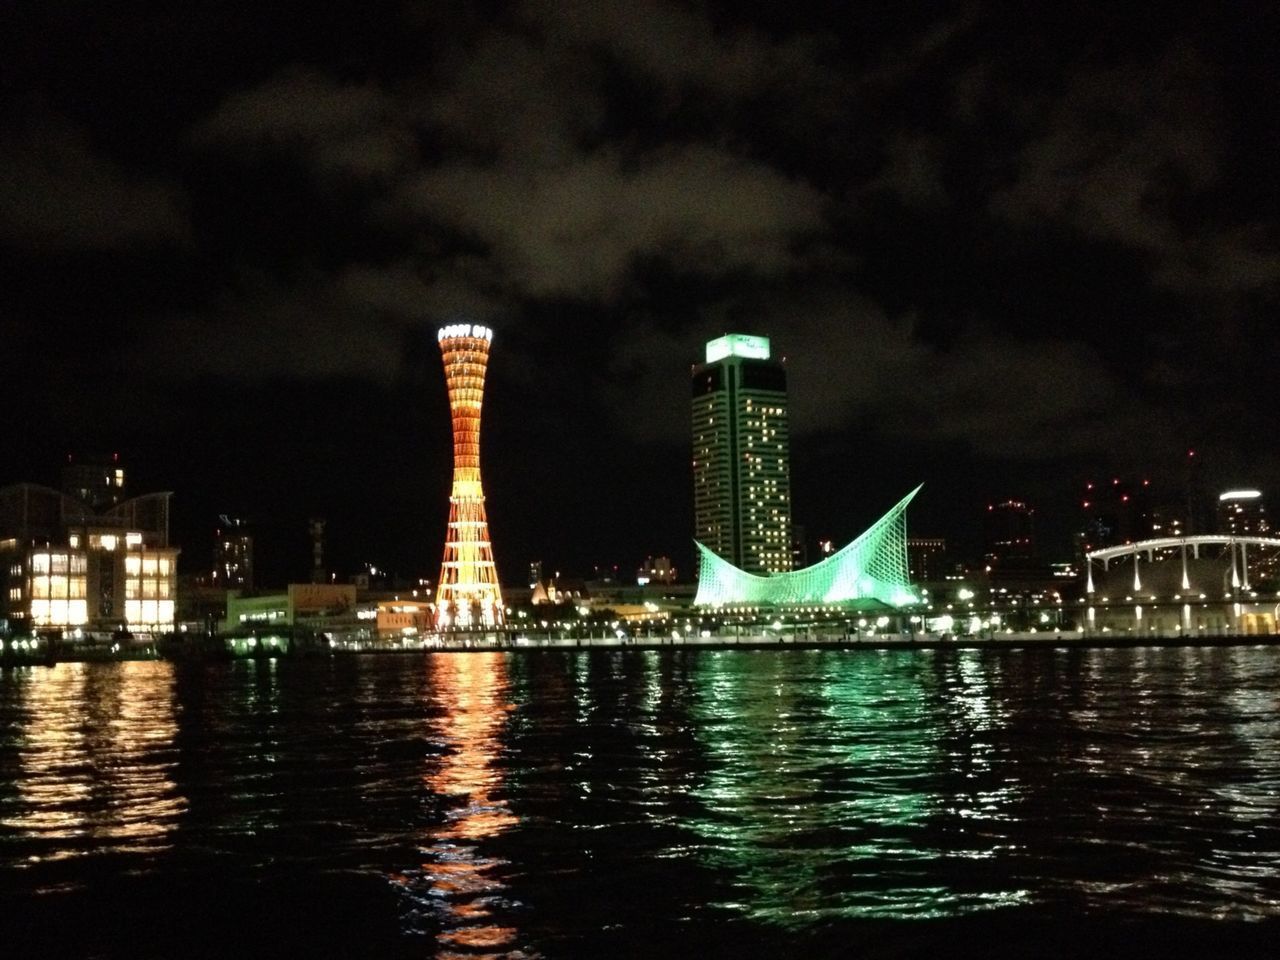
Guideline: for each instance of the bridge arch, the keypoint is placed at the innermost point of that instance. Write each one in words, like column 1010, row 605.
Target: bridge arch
column 1237, row 548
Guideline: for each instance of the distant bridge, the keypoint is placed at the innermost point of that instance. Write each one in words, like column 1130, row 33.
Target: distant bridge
column 1235, row 545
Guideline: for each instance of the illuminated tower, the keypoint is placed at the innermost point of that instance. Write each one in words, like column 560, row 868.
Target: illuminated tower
column 468, row 594
column 741, row 455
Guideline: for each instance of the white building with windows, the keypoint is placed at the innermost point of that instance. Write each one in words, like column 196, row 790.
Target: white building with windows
column 69, row 567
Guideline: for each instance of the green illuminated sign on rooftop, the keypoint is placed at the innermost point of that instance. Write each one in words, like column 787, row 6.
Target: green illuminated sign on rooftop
column 738, row 345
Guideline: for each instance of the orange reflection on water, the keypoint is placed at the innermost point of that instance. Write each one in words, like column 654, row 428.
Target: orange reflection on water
column 146, row 804
column 56, row 782
column 471, row 690
column 96, row 759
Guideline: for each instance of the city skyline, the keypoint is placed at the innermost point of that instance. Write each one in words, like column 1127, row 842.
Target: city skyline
column 1000, row 257
column 1149, row 513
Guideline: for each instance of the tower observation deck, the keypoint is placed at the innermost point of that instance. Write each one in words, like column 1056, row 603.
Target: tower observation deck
column 468, row 595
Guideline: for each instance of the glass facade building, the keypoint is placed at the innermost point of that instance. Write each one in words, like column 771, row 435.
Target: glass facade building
column 741, row 455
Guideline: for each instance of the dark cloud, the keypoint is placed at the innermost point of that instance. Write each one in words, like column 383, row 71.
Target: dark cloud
column 1121, row 154
column 672, row 44
column 354, row 323
column 543, row 203
column 577, row 228
column 506, row 99
column 913, row 170
column 58, row 192
column 353, row 130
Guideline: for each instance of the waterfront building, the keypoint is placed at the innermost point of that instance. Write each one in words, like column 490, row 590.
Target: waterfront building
column 926, row 558
column 1243, row 513
column 202, row 606
column 315, row 603
column 468, row 594
column 1115, row 513
column 341, row 612
column 799, row 546
column 232, row 555
column 97, row 481
column 403, row 618
column 656, row 570
column 67, row 565
column 868, row 573
column 315, row 526
column 1009, row 526
column 553, row 591
column 1169, row 520
column 741, row 455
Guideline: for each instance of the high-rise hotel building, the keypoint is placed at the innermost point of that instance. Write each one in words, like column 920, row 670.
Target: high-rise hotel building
column 741, row 455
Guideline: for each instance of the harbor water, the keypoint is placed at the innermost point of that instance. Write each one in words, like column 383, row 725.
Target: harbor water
column 624, row 802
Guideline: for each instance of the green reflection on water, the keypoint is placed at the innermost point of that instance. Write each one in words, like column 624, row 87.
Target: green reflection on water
column 839, row 823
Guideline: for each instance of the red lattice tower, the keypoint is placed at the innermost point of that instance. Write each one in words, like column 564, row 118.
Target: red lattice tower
column 468, row 595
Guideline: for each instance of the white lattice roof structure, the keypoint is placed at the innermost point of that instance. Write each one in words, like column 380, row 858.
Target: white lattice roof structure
column 871, row 570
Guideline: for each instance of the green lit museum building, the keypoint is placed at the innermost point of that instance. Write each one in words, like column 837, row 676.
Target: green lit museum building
column 741, row 455
column 869, row 573
column 742, row 498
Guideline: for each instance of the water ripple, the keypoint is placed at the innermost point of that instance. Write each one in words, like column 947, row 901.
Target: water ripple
column 499, row 805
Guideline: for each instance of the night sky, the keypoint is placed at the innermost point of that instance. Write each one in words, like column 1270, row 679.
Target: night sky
column 1003, row 252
